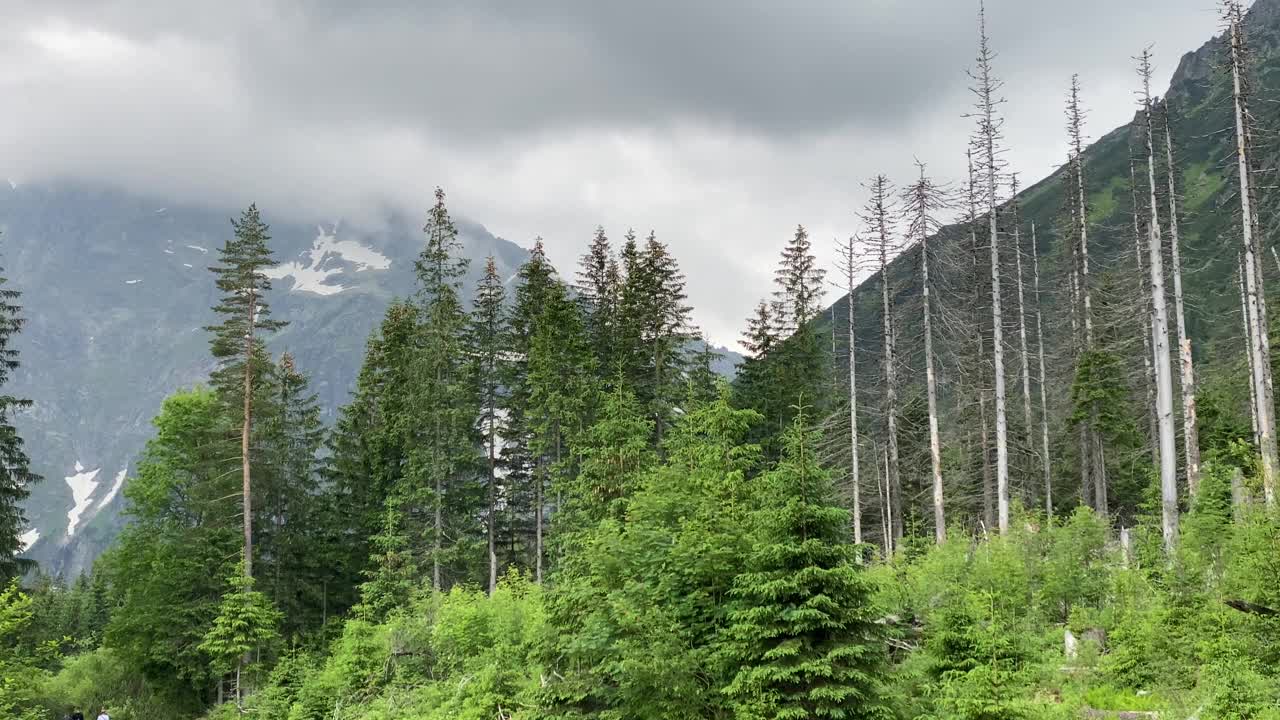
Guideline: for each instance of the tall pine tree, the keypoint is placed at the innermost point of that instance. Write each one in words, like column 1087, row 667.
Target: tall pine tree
column 237, row 342
column 16, row 477
column 442, row 451
column 487, row 348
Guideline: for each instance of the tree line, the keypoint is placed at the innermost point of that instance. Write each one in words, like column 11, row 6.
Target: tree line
column 553, row 465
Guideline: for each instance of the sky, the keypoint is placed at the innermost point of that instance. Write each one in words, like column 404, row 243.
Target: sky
column 718, row 124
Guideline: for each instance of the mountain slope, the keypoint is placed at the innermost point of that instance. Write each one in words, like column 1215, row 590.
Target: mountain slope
column 117, row 294
column 1201, row 122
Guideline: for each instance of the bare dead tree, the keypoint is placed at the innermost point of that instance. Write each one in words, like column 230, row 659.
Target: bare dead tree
column 848, row 254
column 1190, row 425
column 1147, row 356
column 921, row 203
column 1024, row 357
column 878, row 217
column 1160, row 328
column 1044, row 403
column 1259, row 343
column 987, row 143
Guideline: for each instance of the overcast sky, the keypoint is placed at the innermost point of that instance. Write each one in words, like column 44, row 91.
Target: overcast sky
column 720, row 124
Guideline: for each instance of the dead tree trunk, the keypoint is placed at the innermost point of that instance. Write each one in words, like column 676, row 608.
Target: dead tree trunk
column 989, row 158
column 1160, row 333
column 1190, row 425
column 1259, row 345
column 1044, row 404
column 1147, row 356
column 922, row 199
column 1023, row 355
column 850, row 284
column 1248, row 355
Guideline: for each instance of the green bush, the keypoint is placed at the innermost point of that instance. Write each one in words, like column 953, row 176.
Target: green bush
column 101, row 679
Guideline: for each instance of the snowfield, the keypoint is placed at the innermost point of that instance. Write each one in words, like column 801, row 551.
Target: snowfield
column 312, row 271
column 82, row 485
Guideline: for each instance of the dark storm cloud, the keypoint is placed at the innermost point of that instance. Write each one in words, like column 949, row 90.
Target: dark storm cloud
column 719, row 123
column 479, row 69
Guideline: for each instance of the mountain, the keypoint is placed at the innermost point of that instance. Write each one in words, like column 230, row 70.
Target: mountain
column 1201, row 120
column 117, row 294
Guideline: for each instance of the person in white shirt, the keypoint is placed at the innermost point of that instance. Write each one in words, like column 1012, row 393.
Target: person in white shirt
column 103, row 715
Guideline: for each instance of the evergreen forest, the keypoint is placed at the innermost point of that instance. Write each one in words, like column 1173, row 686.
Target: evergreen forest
column 1015, row 457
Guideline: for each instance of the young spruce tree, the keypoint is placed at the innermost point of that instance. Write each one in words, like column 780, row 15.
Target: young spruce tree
column 802, row 632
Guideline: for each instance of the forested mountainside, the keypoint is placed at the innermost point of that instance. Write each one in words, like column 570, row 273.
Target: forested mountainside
column 119, row 296
column 1031, row 474
column 1198, row 110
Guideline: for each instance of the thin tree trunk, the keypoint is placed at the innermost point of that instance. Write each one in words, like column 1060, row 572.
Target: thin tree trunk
column 890, row 539
column 1044, row 404
column 244, row 434
column 537, row 542
column 493, row 502
column 1077, row 313
column 1190, row 426
column 988, row 476
column 988, row 133
column 1259, row 343
column 1248, row 354
column 1160, row 339
column 438, row 542
column 935, row 443
column 1024, row 356
column 1147, row 352
column 853, row 397
column 877, row 215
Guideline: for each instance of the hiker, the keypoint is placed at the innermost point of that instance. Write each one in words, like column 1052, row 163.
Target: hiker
column 102, row 714
column 77, row 715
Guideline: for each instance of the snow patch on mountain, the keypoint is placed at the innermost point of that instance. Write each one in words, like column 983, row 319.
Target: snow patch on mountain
column 132, row 282
column 28, row 539
column 82, row 485
column 115, row 489
column 327, row 258
column 197, row 247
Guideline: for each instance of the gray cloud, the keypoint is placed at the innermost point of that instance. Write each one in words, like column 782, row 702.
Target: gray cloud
column 718, row 123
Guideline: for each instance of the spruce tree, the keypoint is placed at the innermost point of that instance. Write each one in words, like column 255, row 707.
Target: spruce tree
column 297, row 560
column 653, row 329
column 487, row 344
column 756, row 385
column 599, row 291
column 518, row 536
column 237, row 342
column 788, row 355
column 442, row 451
column 802, row 631
column 246, row 621
column 16, row 477
column 561, row 392
column 368, row 450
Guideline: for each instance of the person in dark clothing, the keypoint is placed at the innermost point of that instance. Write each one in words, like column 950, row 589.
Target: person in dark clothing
column 77, row 715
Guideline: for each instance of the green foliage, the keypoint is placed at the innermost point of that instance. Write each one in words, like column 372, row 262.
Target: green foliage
column 246, row 622
column 21, row 665
column 802, row 634
column 16, row 477
column 168, row 566
column 104, row 679
column 243, row 307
